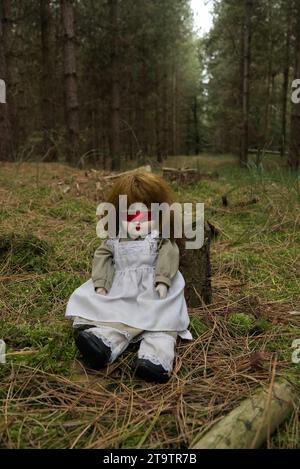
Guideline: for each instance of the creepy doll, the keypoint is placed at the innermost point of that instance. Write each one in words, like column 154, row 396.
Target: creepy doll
column 136, row 292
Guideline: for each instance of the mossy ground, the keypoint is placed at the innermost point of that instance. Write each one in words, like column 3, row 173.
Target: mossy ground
column 47, row 238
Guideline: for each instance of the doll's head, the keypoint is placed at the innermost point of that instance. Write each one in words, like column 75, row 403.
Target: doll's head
column 137, row 221
column 142, row 189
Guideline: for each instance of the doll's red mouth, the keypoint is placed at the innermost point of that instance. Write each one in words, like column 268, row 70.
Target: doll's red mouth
column 137, row 228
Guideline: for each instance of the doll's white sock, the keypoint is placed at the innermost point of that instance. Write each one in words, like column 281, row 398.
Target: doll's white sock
column 159, row 348
column 113, row 338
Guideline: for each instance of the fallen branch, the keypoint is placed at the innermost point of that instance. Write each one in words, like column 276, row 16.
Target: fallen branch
column 256, row 150
column 146, row 169
column 250, row 424
column 186, row 175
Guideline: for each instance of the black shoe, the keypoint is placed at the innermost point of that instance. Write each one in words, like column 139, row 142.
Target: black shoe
column 148, row 371
column 95, row 353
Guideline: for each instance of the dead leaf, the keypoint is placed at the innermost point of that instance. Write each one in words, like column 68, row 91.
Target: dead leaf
column 257, row 360
column 66, row 189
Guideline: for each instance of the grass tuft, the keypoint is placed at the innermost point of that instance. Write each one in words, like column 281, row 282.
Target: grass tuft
column 24, row 252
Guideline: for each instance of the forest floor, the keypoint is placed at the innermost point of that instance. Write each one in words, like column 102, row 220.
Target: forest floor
column 47, row 238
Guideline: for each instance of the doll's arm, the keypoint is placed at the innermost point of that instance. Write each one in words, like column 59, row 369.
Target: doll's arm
column 103, row 268
column 167, row 263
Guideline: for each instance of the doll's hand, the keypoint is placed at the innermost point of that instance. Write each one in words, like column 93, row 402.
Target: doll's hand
column 162, row 290
column 101, row 291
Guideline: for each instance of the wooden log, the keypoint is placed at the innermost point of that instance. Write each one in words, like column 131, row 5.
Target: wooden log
column 249, row 425
column 186, row 175
column 256, row 150
column 181, row 176
column 146, row 169
column 195, row 266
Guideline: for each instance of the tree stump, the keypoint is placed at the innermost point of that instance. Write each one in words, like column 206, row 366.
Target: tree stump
column 196, row 269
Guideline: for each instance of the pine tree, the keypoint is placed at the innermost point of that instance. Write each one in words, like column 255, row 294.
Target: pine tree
column 70, row 79
column 294, row 149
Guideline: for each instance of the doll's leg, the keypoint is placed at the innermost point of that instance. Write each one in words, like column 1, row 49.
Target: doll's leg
column 103, row 343
column 156, row 356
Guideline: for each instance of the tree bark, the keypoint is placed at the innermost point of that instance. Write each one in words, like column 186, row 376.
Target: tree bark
column 246, row 48
column 158, row 133
column 115, row 87
column 165, row 116
column 249, row 425
column 174, row 112
column 285, row 84
column 269, row 86
column 5, row 124
column 294, row 149
column 196, row 126
column 70, row 80
column 46, row 76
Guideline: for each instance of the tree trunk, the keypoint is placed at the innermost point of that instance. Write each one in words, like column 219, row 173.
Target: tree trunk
column 269, row 90
column 165, row 116
column 115, row 88
column 285, row 85
column 46, row 77
column 196, row 126
column 174, row 112
column 5, row 124
column 246, row 47
column 268, row 102
column 70, row 80
column 294, row 150
column 249, row 425
column 196, row 269
column 158, row 133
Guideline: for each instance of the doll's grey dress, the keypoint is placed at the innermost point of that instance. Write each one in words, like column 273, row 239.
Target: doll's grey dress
column 132, row 299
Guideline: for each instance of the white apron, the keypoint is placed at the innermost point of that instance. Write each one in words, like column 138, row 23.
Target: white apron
column 132, row 299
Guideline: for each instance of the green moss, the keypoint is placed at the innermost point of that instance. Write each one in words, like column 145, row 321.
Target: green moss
column 197, row 326
column 52, row 345
column 241, row 323
column 59, row 285
column 262, row 325
column 281, row 344
column 26, row 252
column 43, row 295
column 282, row 347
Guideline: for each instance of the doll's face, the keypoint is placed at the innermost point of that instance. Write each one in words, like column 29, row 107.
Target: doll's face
column 137, row 222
